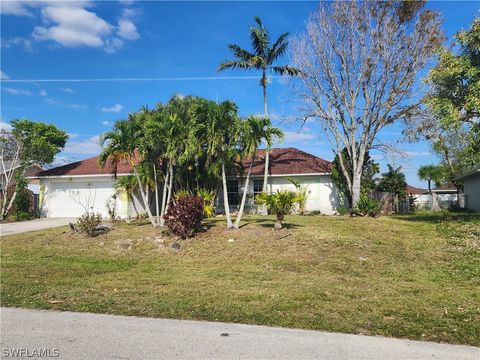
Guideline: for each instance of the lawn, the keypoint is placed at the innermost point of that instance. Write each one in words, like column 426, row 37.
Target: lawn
column 412, row 276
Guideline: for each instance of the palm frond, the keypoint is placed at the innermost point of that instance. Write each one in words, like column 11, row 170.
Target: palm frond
column 286, row 70
column 240, row 53
column 275, row 53
column 233, row 64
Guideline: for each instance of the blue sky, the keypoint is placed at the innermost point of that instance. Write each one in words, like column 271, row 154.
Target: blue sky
column 150, row 40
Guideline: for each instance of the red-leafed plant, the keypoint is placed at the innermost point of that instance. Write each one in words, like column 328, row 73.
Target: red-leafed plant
column 185, row 217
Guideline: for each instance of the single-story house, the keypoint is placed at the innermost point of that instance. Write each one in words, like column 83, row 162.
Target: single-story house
column 285, row 164
column 69, row 190
column 471, row 189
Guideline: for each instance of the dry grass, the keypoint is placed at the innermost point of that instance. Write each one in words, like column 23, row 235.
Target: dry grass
column 414, row 276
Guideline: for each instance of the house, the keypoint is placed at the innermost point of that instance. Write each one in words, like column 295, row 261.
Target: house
column 471, row 189
column 286, row 164
column 69, row 190
column 412, row 190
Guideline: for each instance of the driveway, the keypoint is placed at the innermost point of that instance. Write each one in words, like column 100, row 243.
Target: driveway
column 93, row 336
column 33, row 225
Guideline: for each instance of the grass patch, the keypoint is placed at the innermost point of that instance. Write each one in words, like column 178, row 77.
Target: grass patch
column 414, row 276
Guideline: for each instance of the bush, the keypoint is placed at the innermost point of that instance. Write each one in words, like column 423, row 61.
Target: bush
column 184, row 219
column 111, row 206
column 88, row 222
column 367, row 206
column 342, row 210
column 280, row 203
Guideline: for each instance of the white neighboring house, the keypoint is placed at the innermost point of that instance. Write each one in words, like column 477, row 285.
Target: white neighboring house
column 312, row 172
column 70, row 190
column 471, row 189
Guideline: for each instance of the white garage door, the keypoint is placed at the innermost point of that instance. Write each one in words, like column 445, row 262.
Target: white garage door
column 71, row 199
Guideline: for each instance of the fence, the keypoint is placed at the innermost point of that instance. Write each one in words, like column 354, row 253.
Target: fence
column 32, row 198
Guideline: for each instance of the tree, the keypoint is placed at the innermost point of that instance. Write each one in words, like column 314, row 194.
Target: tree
column 429, row 173
column 359, row 64
column 262, row 57
column 369, row 170
column 120, row 144
column 454, row 104
column 30, row 142
column 252, row 131
column 129, row 185
column 393, row 181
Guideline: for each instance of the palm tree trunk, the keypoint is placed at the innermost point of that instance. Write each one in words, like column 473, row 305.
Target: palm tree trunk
column 244, row 196
column 170, row 183
column 225, row 197
column 263, row 210
column 134, row 199
column 144, row 197
column 157, row 207
column 164, row 199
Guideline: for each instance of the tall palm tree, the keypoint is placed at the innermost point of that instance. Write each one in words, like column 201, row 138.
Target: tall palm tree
column 129, row 185
column 254, row 130
column 118, row 145
column 262, row 58
column 429, row 173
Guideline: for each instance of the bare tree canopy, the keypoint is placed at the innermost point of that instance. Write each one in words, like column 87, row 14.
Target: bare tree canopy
column 359, row 65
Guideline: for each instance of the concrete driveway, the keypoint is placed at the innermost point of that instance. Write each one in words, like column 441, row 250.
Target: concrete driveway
column 93, row 336
column 33, row 225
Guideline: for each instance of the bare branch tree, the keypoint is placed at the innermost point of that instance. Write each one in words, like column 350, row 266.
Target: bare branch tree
column 359, row 64
column 9, row 162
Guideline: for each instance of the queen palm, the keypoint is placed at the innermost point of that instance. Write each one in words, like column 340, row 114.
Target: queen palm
column 254, row 130
column 262, row 58
column 129, row 185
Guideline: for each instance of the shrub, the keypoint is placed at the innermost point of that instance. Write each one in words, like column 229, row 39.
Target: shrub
column 88, row 222
column 342, row 210
column 111, row 206
column 367, row 206
column 208, row 197
column 280, row 203
column 184, row 218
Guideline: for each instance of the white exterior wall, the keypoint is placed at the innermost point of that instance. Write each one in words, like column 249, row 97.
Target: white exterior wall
column 71, row 196
column 471, row 187
column 322, row 193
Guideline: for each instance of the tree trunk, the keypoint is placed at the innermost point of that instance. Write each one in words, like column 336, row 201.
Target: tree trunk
column 356, row 186
column 225, row 197
column 170, row 183
column 144, row 197
column 244, row 196
column 263, row 209
column 10, row 204
column 134, row 199
column 164, row 199
column 157, row 207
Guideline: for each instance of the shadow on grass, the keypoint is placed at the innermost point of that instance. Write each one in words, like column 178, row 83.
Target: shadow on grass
column 439, row 216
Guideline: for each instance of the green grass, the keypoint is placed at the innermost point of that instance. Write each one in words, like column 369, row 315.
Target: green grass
column 413, row 276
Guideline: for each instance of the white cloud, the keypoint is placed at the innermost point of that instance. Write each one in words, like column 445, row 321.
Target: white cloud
column 115, row 108
column 107, row 123
column 73, row 24
column 76, row 106
column 295, row 136
column 42, row 93
column 88, row 146
column 17, row 91
column 67, row 90
column 5, row 126
column 127, row 30
column 3, row 76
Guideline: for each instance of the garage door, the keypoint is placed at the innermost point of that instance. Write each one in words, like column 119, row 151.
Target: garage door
column 72, row 199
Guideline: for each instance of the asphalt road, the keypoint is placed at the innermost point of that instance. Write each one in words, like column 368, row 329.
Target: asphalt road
column 19, row 227
column 93, row 336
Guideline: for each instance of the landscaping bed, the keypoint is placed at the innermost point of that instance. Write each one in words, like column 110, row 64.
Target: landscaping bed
column 414, row 276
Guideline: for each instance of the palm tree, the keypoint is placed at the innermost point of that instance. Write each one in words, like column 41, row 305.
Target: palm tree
column 262, row 58
column 118, row 145
column 281, row 203
column 253, row 130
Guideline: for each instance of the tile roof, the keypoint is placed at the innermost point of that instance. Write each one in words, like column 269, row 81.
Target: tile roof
column 288, row 161
column 415, row 191
column 282, row 161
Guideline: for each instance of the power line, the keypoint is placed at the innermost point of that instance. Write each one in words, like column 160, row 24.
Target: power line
column 198, row 78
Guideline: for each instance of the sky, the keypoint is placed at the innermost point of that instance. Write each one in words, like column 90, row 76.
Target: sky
column 81, row 65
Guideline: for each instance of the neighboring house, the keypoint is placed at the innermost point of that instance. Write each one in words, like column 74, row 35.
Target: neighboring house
column 471, row 189
column 70, row 190
column 412, row 190
column 446, row 196
column 311, row 171
column 30, row 172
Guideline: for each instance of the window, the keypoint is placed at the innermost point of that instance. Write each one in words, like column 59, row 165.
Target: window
column 257, row 187
column 232, row 191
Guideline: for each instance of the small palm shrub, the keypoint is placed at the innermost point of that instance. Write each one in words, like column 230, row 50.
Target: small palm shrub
column 184, row 218
column 208, row 197
column 367, row 206
column 88, row 222
column 280, row 203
